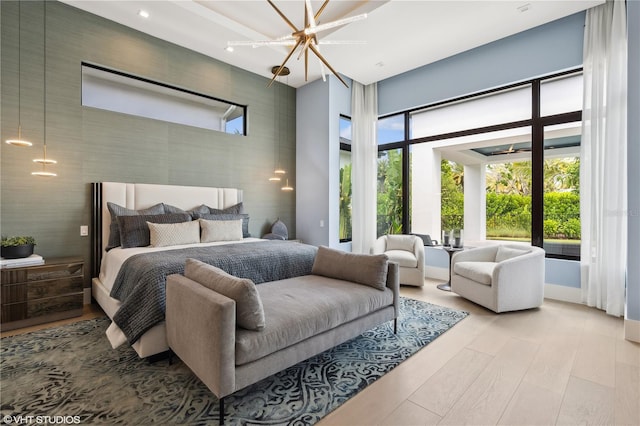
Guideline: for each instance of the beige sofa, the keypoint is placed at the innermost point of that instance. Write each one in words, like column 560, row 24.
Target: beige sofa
column 252, row 331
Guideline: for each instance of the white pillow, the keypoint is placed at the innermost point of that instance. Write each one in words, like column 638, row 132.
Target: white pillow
column 401, row 242
column 173, row 234
column 220, row 230
column 505, row 253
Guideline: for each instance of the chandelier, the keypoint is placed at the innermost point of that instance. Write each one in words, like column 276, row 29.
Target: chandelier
column 305, row 38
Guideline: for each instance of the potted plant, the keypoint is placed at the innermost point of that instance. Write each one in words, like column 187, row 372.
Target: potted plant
column 17, row 247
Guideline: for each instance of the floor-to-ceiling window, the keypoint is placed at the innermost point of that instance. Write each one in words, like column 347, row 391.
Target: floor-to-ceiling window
column 503, row 163
column 390, row 208
column 345, row 180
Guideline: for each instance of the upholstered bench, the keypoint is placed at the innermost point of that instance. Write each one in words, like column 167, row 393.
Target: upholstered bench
column 232, row 333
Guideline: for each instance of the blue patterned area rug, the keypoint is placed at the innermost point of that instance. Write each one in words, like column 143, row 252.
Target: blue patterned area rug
column 72, row 375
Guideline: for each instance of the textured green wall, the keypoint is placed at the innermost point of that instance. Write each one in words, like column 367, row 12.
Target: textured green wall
column 92, row 145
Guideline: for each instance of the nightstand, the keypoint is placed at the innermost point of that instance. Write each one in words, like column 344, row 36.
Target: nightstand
column 41, row 293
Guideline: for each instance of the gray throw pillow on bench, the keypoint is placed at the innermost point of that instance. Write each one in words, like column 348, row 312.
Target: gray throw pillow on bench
column 367, row 269
column 249, row 311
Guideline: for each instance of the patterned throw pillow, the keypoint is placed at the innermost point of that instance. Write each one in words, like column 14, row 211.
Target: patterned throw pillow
column 173, row 234
column 134, row 231
column 117, row 210
column 220, row 230
column 244, row 217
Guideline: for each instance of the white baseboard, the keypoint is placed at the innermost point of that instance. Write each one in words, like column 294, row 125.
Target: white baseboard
column 436, row 273
column 87, row 296
column 560, row 292
column 632, row 330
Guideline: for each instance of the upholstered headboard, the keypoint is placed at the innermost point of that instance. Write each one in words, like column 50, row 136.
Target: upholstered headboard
column 142, row 195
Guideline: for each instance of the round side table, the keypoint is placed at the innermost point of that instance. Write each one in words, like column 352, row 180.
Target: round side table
column 450, row 250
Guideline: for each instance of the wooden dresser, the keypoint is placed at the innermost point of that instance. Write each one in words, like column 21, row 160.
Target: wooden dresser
column 41, row 293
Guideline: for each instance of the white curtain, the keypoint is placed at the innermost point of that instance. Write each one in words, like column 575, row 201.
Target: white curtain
column 603, row 171
column 364, row 152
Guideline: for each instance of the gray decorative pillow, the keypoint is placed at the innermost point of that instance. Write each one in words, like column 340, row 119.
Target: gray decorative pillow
column 279, row 228
column 117, row 210
column 134, row 231
column 367, row 269
column 249, row 310
column 244, row 217
column 168, row 208
column 201, row 209
column 235, row 209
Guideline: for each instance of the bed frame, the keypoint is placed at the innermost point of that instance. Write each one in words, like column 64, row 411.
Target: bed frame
column 139, row 196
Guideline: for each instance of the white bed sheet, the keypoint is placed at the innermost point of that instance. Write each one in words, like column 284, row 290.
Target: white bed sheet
column 112, row 262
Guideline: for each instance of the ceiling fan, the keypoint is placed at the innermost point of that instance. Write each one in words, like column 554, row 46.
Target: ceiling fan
column 510, row 150
column 306, row 38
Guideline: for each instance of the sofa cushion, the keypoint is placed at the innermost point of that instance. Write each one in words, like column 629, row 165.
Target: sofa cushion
column 505, row 253
column 480, row 272
column 404, row 259
column 249, row 311
column 301, row 307
column 400, row 242
column 367, row 269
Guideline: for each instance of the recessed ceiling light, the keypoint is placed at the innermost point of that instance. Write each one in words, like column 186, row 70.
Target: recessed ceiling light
column 143, row 13
column 229, row 48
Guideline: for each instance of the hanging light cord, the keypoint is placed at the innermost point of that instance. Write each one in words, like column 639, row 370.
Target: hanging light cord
column 44, row 161
column 19, row 70
column 45, row 85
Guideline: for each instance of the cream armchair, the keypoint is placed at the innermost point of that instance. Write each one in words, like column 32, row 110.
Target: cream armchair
column 408, row 252
column 501, row 278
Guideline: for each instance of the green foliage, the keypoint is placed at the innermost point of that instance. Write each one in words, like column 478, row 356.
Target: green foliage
column 345, row 203
column 571, row 229
column 452, row 181
column 389, row 205
column 17, row 241
column 551, row 227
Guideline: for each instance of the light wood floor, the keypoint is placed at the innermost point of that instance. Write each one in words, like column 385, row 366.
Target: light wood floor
column 562, row 364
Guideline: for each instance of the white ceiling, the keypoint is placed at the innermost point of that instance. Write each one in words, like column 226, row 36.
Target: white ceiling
column 399, row 35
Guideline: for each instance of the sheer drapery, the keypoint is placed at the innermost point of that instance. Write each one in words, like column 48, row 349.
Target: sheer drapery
column 603, row 172
column 364, row 151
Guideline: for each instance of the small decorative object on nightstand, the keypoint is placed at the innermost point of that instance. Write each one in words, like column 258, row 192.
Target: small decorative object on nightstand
column 37, row 294
column 17, row 247
column 278, row 231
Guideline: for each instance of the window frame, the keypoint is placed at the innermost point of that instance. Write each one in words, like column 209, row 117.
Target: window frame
column 537, row 123
column 126, row 75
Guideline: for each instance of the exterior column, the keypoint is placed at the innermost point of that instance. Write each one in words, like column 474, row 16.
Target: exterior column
column 475, row 202
column 426, row 188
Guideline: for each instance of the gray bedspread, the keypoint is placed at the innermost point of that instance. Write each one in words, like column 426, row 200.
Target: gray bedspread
column 140, row 284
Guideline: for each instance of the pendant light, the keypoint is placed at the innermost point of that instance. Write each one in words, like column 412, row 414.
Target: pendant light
column 276, row 175
column 19, row 141
column 278, row 170
column 44, row 160
column 287, row 187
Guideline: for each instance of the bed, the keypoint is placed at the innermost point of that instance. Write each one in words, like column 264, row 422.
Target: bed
column 129, row 282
